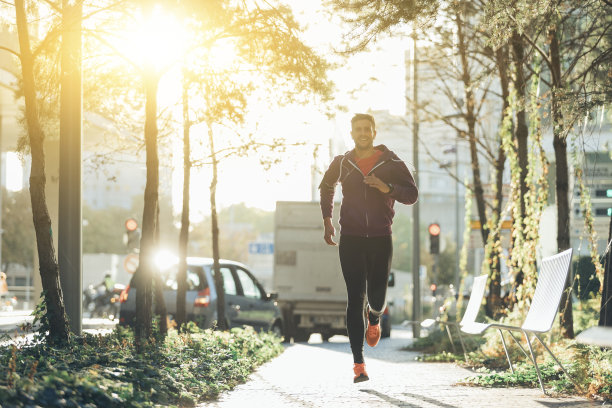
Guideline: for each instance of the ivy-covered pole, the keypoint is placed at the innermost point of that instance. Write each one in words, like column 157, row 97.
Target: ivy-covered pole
column 605, row 313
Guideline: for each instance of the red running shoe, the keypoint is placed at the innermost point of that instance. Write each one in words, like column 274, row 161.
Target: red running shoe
column 360, row 373
column 373, row 334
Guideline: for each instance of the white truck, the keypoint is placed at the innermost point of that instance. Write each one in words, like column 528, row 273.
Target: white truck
column 307, row 275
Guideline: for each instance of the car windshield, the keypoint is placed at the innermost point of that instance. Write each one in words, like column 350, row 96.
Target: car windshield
column 195, row 279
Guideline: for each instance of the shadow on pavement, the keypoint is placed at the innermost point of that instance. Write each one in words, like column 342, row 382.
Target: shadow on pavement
column 401, row 403
column 577, row 404
column 388, row 349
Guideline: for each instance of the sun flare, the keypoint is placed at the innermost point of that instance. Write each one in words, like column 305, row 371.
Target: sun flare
column 157, row 39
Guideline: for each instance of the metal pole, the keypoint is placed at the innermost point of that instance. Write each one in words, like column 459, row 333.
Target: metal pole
column 416, row 261
column 1, row 197
column 457, row 234
column 70, row 215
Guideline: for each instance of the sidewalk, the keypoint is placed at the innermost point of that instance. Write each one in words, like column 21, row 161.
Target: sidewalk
column 320, row 375
column 10, row 322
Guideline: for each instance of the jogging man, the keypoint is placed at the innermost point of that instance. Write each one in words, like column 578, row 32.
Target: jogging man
column 372, row 179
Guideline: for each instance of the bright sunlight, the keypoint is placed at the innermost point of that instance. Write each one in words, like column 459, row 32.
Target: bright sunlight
column 157, row 39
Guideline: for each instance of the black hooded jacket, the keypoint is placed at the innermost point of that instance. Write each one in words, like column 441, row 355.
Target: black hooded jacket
column 365, row 210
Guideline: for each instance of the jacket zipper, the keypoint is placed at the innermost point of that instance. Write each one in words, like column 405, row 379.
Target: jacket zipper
column 365, row 194
column 365, row 191
column 377, row 166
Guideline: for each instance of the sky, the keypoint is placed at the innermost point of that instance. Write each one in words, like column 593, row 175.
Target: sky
column 244, row 180
column 379, row 77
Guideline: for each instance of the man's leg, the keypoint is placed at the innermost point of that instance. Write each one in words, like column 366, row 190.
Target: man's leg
column 379, row 255
column 353, row 262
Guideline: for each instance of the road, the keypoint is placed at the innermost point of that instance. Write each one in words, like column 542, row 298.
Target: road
column 11, row 321
column 317, row 374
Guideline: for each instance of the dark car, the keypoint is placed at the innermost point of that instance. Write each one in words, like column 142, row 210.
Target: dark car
column 385, row 324
column 246, row 302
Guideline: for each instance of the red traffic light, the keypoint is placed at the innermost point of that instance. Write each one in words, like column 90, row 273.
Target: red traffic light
column 433, row 287
column 131, row 224
column 434, row 229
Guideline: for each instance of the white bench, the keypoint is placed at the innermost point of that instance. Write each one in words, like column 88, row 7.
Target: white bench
column 542, row 312
column 596, row 336
column 471, row 312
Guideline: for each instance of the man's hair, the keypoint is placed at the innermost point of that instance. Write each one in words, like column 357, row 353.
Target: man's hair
column 362, row 116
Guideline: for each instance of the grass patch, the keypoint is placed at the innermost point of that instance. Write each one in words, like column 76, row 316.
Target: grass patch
column 590, row 367
column 184, row 369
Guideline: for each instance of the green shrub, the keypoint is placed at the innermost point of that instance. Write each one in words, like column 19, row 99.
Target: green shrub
column 184, row 369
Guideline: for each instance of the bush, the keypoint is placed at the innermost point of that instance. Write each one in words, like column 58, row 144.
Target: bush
column 106, row 371
column 586, row 284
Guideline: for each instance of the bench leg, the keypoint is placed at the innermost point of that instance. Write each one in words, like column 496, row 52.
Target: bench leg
column 518, row 343
column 558, row 362
column 462, row 343
column 450, row 337
column 506, row 350
column 535, row 363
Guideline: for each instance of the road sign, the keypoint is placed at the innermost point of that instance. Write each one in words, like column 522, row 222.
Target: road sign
column 261, row 248
column 130, row 263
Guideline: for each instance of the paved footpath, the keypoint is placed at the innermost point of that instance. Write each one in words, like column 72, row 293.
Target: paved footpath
column 317, row 374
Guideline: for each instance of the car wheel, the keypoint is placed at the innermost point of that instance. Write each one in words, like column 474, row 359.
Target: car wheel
column 385, row 330
column 277, row 330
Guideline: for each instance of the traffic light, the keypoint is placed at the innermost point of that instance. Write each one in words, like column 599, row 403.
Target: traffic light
column 131, row 238
column 434, row 238
column 433, row 288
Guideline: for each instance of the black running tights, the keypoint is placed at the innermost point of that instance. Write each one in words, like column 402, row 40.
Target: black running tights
column 366, row 263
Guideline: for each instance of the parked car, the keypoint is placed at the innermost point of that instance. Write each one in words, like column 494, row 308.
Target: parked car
column 246, row 302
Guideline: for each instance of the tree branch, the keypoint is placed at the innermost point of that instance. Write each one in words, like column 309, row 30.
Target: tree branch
column 15, row 53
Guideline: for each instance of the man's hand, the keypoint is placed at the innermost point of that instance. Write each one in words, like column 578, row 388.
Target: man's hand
column 330, row 231
column 375, row 182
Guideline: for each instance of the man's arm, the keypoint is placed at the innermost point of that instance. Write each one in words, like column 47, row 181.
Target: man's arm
column 404, row 190
column 330, row 231
column 327, row 190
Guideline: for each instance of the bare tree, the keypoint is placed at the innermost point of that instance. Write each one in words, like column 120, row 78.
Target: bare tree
column 49, row 269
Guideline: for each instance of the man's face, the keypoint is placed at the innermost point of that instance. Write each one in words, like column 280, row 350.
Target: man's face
column 363, row 134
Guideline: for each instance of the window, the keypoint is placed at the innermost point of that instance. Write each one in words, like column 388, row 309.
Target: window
column 228, row 281
column 249, row 287
column 193, row 280
column 169, row 277
column 606, row 212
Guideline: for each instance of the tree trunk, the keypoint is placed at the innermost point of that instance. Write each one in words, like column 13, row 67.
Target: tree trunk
column 221, row 321
column 493, row 303
column 471, row 124
column 560, row 144
column 49, row 270
column 144, row 274
column 521, row 133
column 160, row 303
column 605, row 312
column 184, row 234
column 522, row 130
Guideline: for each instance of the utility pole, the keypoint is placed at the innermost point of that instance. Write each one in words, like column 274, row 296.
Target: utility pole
column 457, row 234
column 416, row 248
column 70, row 223
column 1, row 197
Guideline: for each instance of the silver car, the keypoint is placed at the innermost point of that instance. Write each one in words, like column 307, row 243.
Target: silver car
column 246, row 302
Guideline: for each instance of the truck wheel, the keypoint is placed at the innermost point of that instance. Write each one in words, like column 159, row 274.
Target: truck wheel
column 301, row 336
